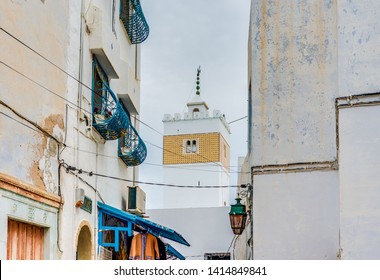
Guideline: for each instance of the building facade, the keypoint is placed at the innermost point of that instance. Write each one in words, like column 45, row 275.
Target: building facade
column 313, row 105
column 69, row 104
column 196, row 152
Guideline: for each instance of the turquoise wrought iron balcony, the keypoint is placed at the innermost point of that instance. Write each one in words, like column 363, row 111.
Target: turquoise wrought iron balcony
column 134, row 21
column 112, row 122
column 109, row 117
column 132, row 149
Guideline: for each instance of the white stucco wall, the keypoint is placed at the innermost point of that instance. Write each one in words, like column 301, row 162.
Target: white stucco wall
column 359, row 159
column 359, row 39
column 207, row 230
column 296, row 216
column 97, row 156
column 191, row 126
column 194, row 175
column 302, row 56
column 52, row 28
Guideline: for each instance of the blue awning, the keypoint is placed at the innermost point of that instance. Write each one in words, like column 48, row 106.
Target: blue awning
column 153, row 228
column 160, row 231
column 173, row 253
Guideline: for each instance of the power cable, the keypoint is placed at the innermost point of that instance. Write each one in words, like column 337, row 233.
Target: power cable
column 232, row 241
column 61, row 97
column 43, row 131
column 242, row 118
column 21, row 123
column 88, row 184
column 108, row 156
column 70, row 169
column 83, row 84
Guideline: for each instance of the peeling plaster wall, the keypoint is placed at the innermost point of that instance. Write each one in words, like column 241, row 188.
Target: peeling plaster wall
column 52, row 28
column 303, row 55
column 293, row 74
column 35, row 89
column 293, row 64
column 24, row 153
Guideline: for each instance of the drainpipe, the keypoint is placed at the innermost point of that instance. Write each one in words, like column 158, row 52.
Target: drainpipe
column 134, row 167
column 79, row 102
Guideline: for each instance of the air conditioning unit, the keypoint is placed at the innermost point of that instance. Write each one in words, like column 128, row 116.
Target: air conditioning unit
column 136, row 200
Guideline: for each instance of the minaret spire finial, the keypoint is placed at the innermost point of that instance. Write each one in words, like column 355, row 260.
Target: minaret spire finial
column 198, row 82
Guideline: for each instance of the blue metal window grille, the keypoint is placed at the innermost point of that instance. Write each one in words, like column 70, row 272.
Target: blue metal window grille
column 112, row 121
column 123, row 227
column 132, row 149
column 109, row 117
column 134, row 21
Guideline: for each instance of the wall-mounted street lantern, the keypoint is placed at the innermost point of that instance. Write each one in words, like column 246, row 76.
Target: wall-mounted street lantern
column 238, row 217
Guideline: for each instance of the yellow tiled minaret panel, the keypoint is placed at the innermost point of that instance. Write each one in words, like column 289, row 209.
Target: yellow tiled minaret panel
column 211, row 147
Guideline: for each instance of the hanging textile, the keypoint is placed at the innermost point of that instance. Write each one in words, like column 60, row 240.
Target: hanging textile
column 144, row 247
column 162, row 249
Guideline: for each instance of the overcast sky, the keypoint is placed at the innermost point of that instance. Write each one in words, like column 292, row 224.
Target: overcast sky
column 183, row 35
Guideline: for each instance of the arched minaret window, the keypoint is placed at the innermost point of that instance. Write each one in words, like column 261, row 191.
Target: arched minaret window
column 196, row 110
column 194, row 146
column 188, row 146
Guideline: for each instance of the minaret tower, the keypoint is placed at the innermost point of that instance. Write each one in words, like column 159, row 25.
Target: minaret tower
column 196, row 152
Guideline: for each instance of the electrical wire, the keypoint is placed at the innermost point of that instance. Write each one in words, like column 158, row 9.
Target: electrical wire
column 108, row 156
column 32, row 128
column 70, row 168
column 64, row 71
column 74, row 78
column 61, row 97
column 83, row 84
column 242, row 118
column 154, row 145
column 232, row 241
column 233, row 249
column 42, row 130
column 88, row 184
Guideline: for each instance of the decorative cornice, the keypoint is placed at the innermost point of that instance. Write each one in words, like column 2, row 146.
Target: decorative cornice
column 19, row 187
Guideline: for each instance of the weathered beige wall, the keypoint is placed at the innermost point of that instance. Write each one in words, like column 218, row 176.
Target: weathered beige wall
column 42, row 25
column 293, row 66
